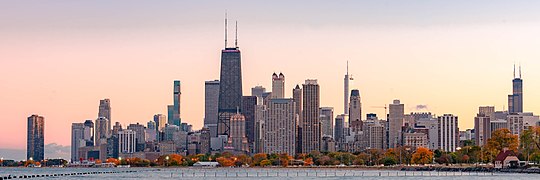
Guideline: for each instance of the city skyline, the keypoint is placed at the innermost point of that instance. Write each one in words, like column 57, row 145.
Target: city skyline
column 380, row 77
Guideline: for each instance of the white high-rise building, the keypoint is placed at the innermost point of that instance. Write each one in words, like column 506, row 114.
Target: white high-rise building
column 395, row 122
column 126, row 141
column 448, row 132
column 278, row 85
column 280, row 127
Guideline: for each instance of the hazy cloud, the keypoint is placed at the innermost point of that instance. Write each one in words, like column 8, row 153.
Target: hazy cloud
column 421, row 107
column 54, row 150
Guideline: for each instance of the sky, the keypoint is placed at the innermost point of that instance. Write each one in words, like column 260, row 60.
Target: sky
column 58, row 58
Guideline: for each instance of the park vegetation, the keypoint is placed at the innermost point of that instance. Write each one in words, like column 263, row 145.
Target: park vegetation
column 527, row 147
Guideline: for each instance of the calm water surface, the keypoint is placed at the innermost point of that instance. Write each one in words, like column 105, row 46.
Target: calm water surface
column 254, row 173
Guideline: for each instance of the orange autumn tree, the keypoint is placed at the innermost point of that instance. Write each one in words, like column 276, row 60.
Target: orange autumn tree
column 422, row 156
column 284, row 159
column 308, row 162
column 225, row 162
column 113, row 160
column 258, row 158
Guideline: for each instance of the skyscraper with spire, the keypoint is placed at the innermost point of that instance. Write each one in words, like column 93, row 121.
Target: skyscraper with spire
column 346, row 91
column 515, row 100
column 230, row 87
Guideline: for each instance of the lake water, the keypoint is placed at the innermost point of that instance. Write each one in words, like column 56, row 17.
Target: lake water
column 256, row 173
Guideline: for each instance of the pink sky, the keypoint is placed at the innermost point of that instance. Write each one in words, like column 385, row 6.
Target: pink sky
column 60, row 67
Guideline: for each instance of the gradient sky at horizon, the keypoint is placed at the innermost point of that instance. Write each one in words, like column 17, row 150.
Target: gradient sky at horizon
column 58, row 58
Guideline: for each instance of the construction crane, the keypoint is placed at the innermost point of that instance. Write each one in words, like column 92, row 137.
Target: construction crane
column 380, row 107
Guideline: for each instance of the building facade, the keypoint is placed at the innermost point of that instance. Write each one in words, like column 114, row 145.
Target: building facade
column 311, row 128
column 395, row 122
column 237, row 136
column 77, row 140
column 278, row 85
column 230, row 88
column 211, row 98
column 448, row 132
column 105, row 110
column 102, row 130
column 280, row 127
column 127, row 141
column 355, row 112
column 35, row 147
column 249, row 104
column 327, row 121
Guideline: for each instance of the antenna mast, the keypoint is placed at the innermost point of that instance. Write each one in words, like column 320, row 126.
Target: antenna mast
column 225, row 28
column 514, row 70
column 519, row 70
column 236, row 35
column 347, row 67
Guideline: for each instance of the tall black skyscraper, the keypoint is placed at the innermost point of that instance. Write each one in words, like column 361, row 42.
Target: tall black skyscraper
column 515, row 100
column 230, row 87
column 249, row 104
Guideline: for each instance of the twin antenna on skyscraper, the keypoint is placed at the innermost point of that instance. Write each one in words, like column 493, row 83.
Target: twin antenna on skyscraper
column 519, row 70
column 235, row 33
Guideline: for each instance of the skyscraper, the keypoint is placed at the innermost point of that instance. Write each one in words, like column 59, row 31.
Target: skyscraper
column 77, row 140
column 170, row 114
column 161, row 122
column 116, row 128
column 515, row 123
column 176, row 120
column 230, row 86
column 35, row 138
column 102, row 130
column 237, row 136
column 127, row 141
column 395, row 122
column 339, row 128
column 258, row 91
column 140, row 135
column 448, row 132
column 311, row 129
column 515, row 100
column 278, row 85
column 297, row 97
column 355, row 112
column 482, row 124
column 89, row 132
column 211, row 97
column 249, row 104
column 280, row 127
column 105, row 110
column 327, row 121
column 346, row 91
